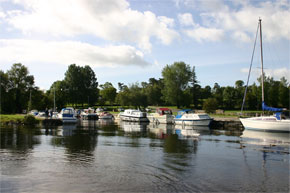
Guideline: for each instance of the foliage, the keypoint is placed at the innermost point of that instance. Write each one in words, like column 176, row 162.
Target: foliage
column 30, row 120
column 210, row 105
column 176, row 80
column 81, row 85
column 15, row 86
column 108, row 93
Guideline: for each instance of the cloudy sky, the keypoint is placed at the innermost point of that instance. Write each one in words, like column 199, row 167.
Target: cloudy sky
column 131, row 41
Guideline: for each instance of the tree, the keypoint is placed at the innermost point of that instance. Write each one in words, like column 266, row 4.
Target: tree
column 58, row 90
column 284, row 91
column 176, row 80
column 108, row 92
column 4, row 93
column 82, row 85
column 210, row 105
column 153, row 91
column 19, row 83
column 218, row 94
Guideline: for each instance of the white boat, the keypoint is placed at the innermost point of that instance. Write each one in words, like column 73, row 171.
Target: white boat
column 106, row 115
column 188, row 117
column 67, row 115
column 89, row 114
column 265, row 123
column 162, row 115
column 133, row 115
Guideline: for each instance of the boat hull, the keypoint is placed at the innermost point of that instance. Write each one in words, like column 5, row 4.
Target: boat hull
column 192, row 122
column 263, row 125
column 133, row 119
column 163, row 119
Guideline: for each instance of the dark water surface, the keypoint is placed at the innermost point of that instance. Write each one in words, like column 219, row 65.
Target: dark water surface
column 100, row 156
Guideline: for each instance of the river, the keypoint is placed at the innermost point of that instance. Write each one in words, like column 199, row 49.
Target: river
column 104, row 156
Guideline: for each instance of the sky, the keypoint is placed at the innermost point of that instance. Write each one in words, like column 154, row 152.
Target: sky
column 131, row 41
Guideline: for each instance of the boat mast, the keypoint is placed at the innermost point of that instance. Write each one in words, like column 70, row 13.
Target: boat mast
column 262, row 69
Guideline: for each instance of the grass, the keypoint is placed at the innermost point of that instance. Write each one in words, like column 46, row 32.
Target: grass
column 13, row 117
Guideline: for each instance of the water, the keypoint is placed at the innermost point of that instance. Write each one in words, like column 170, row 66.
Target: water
column 102, row 156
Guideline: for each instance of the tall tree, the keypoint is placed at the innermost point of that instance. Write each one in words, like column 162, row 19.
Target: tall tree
column 82, row 85
column 4, row 93
column 19, row 82
column 108, row 92
column 176, row 80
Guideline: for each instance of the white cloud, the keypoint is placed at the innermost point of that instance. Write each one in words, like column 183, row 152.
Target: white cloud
column 275, row 73
column 205, row 34
column 186, row 19
column 240, row 18
column 68, row 52
column 111, row 20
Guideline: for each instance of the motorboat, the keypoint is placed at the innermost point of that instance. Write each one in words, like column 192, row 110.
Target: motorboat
column 89, row 114
column 276, row 122
column 106, row 115
column 133, row 115
column 67, row 115
column 188, row 117
column 162, row 115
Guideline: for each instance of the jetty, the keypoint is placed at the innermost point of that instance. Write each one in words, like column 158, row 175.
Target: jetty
column 227, row 123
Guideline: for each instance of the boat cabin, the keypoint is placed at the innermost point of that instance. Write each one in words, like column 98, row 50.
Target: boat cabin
column 164, row 111
column 184, row 111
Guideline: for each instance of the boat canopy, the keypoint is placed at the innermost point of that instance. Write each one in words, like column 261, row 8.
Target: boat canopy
column 183, row 111
column 267, row 108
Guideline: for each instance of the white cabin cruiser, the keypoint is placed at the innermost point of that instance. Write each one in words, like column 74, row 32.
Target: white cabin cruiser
column 188, row 117
column 133, row 115
column 67, row 115
column 162, row 115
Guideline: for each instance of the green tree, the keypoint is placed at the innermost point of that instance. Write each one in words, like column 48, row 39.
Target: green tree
column 217, row 92
column 19, row 83
column 108, row 92
column 82, row 85
column 284, row 91
column 176, row 80
column 5, row 104
column 210, row 105
column 153, row 91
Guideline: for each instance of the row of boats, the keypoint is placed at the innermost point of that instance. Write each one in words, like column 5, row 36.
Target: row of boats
column 165, row 116
column 162, row 115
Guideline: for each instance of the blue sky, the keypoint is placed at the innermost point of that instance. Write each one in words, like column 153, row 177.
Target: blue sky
column 132, row 41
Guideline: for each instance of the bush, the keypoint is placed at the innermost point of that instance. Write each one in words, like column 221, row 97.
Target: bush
column 30, row 120
column 210, row 105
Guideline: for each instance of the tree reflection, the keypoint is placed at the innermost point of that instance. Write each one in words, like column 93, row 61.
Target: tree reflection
column 19, row 139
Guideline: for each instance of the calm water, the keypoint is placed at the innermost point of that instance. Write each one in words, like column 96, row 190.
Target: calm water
column 99, row 156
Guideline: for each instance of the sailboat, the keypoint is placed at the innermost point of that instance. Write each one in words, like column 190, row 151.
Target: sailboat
column 276, row 122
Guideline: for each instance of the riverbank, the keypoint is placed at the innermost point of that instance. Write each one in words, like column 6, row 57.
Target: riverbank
column 18, row 119
column 220, row 122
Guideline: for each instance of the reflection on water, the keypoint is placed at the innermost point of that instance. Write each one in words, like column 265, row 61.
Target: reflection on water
column 104, row 156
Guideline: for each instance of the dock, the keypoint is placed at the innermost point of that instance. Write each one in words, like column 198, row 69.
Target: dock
column 227, row 123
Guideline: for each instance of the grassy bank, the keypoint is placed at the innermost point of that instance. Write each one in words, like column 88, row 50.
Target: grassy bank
column 17, row 119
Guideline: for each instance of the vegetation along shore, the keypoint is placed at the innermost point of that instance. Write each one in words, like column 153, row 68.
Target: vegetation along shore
column 178, row 87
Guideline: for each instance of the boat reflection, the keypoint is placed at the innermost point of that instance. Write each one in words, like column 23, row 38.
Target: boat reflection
column 265, row 138
column 133, row 126
column 161, row 131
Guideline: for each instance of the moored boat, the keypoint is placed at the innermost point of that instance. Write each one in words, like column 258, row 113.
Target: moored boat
column 188, row 117
column 275, row 123
column 162, row 115
column 67, row 115
column 89, row 114
column 106, row 115
column 133, row 115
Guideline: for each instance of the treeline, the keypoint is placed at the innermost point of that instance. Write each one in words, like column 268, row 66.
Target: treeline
column 178, row 87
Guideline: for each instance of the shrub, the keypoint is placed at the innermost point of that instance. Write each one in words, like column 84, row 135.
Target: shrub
column 210, row 105
column 30, row 120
